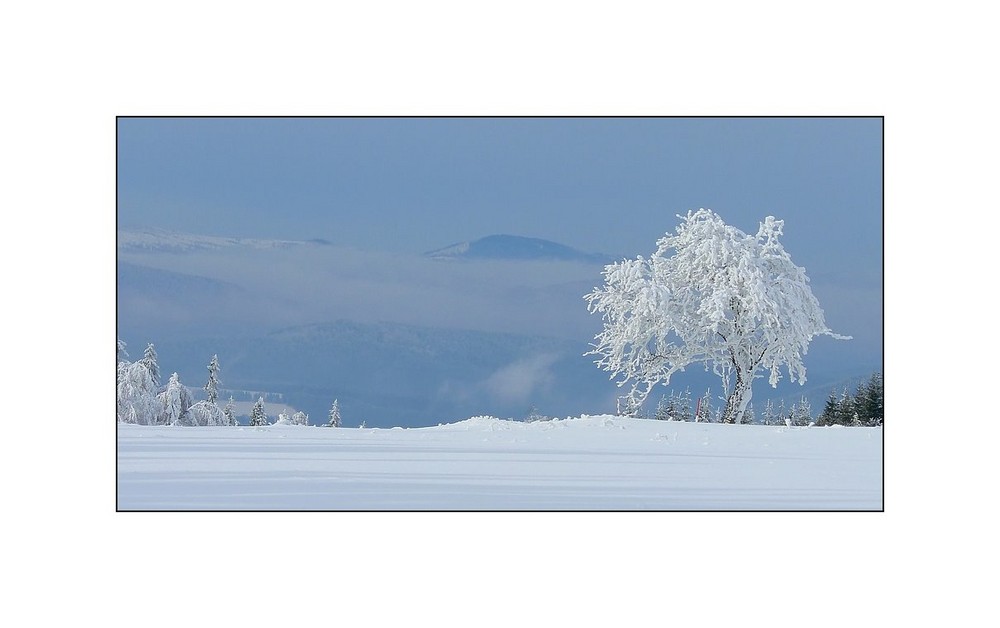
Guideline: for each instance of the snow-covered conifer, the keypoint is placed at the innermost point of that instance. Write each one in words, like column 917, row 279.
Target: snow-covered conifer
column 829, row 414
column 149, row 359
column 300, row 418
column 709, row 294
column 257, row 415
column 230, row 412
column 684, row 412
column 771, row 416
column 664, row 409
column 703, row 413
column 212, row 387
column 748, row 415
column 175, row 401
column 334, row 415
column 845, row 409
column 869, row 402
column 122, row 353
column 801, row 413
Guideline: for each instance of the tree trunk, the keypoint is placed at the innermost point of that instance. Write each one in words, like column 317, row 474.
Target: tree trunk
column 739, row 399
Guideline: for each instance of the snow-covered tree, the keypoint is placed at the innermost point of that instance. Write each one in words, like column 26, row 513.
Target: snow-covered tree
column 283, row 418
column 845, row 409
column 710, row 294
column 230, row 412
column 870, row 401
column 684, row 412
column 829, row 414
column 748, row 415
column 212, row 386
column 703, row 413
column 784, row 416
column 801, row 413
column 175, row 401
column 149, row 359
column 300, row 418
column 136, row 394
column 257, row 415
column 665, row 408
column 334, row 415
column 771, row 416
column 122, row 353
column 207, row 414
column 534, row 415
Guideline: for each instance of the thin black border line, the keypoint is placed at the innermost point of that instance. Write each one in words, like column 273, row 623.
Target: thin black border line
column 881, row 118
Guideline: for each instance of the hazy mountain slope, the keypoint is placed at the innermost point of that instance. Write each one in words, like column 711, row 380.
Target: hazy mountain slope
column 390, row 374
column 511, row 247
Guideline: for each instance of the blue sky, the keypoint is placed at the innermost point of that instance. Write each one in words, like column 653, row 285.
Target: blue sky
column 600, row 184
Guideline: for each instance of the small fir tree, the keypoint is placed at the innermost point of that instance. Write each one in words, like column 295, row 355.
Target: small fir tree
column 703, row 414
column 845, row 408
column 684, row 406
column 122, row 353
column 230, row 412
column 664, row 409
column 870, row 404
column 149, row 359
column 771, row 416
column 748, row 415
column 300, row 418
column 801, row 413
column 334, row 415
column 829, row 414
column 257, row 415
column 212, row 387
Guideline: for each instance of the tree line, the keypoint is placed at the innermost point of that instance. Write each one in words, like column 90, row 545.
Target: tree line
column 142, row 400
column 863, row 408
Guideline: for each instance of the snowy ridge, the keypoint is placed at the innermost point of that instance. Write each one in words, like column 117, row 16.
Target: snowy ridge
column 159, row 240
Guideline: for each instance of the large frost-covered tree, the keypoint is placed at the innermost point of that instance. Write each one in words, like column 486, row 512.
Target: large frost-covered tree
column 713, row 295
column 136, row 394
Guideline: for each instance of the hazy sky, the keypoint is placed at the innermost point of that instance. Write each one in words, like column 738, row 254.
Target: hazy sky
column 599, row 184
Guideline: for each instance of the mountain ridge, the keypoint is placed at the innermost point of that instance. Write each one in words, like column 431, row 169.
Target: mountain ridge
column 514, row 247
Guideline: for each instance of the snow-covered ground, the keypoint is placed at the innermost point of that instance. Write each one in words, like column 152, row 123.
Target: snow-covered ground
column 587, row 463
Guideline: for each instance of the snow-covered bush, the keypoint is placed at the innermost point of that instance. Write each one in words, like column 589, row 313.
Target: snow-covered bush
column 206, row 414
column 710, row 294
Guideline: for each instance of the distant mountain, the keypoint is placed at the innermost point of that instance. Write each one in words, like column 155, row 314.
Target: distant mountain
column 162, row 241
column 509, row 247
column 391, row 374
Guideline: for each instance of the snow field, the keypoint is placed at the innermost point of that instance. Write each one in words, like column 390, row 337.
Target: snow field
column 483, row 463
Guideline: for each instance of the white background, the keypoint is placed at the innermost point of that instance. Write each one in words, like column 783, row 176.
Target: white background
column 70, row 68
